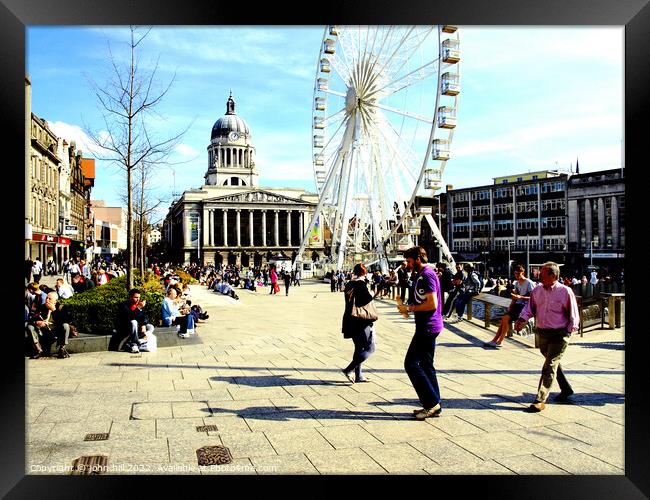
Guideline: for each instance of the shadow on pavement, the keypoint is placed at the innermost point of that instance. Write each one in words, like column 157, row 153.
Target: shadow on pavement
column 616, row 346
column 368, row 370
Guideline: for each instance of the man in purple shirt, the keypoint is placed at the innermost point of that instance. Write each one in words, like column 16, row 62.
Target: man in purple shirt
column 556, row 315
column 426, row 304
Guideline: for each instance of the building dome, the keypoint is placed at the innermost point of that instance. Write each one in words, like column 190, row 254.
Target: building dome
column 230, row 122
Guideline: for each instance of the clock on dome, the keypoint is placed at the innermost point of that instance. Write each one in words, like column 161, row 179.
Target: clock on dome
column 233, row 136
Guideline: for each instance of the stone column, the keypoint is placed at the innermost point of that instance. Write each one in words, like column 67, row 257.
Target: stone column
column 250, row 227
column 205, row 227
column 187, row 230
column 588, row 226
column 211, row 228
column 277, row 228
column 615, row 225
column 225, row 227
column 602, row 226
column 263, row 228
column 288, row 228
column 238, row 227
column 573, row 221
column 302, row 225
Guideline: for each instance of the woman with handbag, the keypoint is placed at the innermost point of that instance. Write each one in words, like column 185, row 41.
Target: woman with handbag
column 358, row 323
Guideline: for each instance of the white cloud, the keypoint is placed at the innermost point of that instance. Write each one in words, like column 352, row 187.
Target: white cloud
column 75, row 133
column 186, row 150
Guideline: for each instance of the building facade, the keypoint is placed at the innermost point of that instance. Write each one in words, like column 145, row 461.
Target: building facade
column 44, row 191
column 109, row 229
column 230, row 219
column 539, row 216
column 596, row 211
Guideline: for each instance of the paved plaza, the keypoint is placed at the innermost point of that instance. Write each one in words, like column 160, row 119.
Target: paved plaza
column 267, row 376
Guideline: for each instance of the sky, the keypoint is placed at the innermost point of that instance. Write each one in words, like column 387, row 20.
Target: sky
column 532, row 98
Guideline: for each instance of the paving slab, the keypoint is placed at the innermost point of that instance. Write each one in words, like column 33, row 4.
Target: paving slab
column 344, row 462
column 277, row 399
column 297, row 463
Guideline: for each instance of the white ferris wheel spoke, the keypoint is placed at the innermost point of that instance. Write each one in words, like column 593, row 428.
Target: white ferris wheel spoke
column 406, row 81
column 421, row 40
column 404, row 113
column 401, row 145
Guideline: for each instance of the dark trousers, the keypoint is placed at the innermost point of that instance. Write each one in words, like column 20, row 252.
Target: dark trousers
column 333, row 285
column 287, row 284
column 272, row 289
column 402, row 291
column 47, row 336
column 461, row 302
column 419, row 367
column 364, row 346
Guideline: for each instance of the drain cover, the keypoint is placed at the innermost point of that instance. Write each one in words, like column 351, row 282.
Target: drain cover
column 206, row 428
column 214, row 455
column 103, row 436
column 95, row 464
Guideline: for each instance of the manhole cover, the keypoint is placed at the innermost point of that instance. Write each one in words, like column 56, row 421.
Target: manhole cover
column 206, row 428
column 96, row 464
column 103, row 436
column 214, row 455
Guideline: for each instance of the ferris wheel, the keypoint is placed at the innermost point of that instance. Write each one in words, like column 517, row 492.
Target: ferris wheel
column 384, row 112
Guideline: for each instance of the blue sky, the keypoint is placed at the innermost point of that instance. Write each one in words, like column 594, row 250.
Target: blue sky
column 532, row 98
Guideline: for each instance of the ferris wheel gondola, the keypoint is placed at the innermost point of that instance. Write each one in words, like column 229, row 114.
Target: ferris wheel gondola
column 384, row 111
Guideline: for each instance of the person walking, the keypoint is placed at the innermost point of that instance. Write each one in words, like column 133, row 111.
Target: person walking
column 555, row 309
column 287, row 282
column 402, row 281
column 274, row 280
column 520, row 297
column 37, row 270
column 470, row 287
column 457, row 282
column 426, row 299
column 359, row 330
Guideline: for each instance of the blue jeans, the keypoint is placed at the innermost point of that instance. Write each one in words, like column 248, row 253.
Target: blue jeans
column 461, row 302
column 418, row 364
column 364, row 346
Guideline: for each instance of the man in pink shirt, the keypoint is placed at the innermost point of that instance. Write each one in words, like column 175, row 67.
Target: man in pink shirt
column 556, row 315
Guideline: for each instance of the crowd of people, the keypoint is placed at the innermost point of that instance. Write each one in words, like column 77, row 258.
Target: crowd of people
column 552, row 304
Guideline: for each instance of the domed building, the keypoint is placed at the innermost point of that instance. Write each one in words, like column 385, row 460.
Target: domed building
column 231, row 154
column 231, row 219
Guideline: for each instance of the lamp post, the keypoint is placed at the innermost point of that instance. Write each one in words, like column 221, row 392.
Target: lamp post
column 509, row 260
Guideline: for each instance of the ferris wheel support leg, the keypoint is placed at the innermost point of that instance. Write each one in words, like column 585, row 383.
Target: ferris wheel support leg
column 331, row 175
column 446, row 253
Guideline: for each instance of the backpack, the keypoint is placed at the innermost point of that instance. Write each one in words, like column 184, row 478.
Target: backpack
column 446, row 284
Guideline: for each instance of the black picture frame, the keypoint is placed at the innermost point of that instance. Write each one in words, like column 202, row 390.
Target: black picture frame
column 15, row 15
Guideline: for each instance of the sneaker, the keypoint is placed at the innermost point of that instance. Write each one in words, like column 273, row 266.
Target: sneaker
column 191, row 331
column 491, row 344
column 362, row 380
column 184, row 335
column 430, row 412
column 348, row 375
column 135, row 349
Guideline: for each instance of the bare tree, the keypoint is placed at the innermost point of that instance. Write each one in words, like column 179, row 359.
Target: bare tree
column 127, row 100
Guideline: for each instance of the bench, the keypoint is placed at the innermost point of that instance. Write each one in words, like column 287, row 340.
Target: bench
column 493, row 300
column 489, row 300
